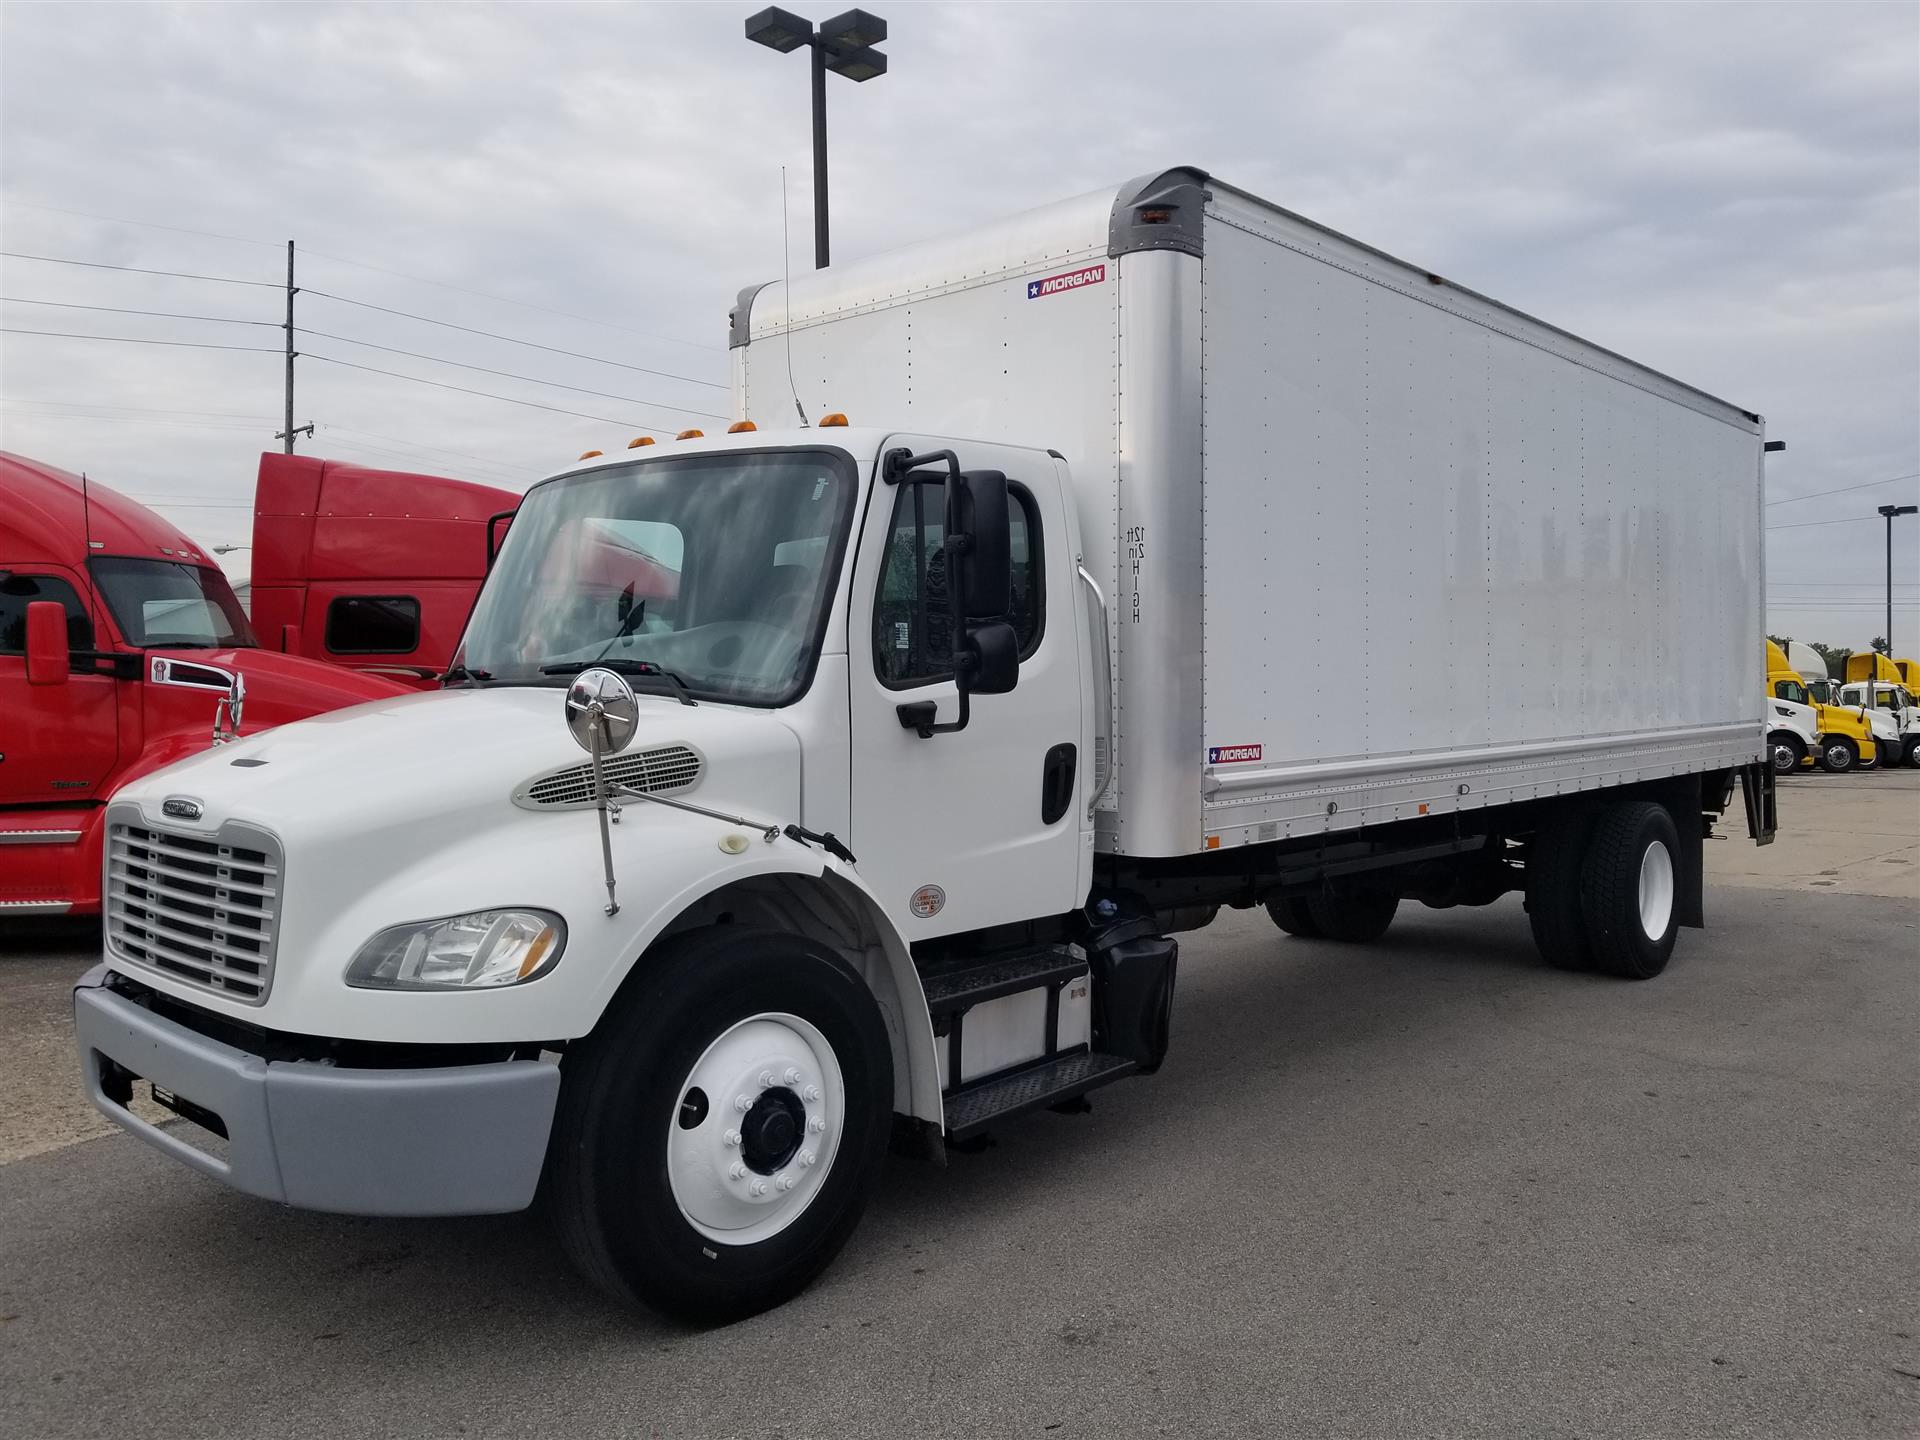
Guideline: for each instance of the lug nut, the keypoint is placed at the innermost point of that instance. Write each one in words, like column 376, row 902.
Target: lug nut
column 785, row 1182
column 766, row 1079
column 807, row 1157
column 817, row 1125
column 759, row 1187
column 810, row 1094
column 743, row 1103
column 732, row 1137
column 792, row 1077
column 737, row 1171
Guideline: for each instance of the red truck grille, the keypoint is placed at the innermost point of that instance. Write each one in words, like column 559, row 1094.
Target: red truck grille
column 197, row 909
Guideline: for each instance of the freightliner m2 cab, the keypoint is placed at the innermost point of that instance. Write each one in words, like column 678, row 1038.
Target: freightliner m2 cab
column 795, row 791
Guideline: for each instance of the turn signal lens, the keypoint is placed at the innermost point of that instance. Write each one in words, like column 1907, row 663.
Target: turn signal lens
column 741, row 427
column 637, row 443
column 591, row 454
column 829, row 421
column 478, row 951
column 691, row 435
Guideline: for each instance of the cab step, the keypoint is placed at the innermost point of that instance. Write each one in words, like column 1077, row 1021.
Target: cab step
column 957, row 988
column 1067, row 1078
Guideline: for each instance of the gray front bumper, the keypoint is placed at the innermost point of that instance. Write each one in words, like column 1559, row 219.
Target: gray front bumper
column 452, row 1140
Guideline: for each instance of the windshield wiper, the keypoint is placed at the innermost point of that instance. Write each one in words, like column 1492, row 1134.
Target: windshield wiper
column 459, row 673
column 622, row 666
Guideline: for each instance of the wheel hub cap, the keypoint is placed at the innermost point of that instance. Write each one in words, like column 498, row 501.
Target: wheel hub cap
column 1656, row 890
column 755, row 1127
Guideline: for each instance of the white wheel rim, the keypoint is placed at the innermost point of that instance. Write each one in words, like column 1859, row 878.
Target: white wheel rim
column 1838, row 755
column 747, row 1076
column 1783, row 757
column 1656, row 890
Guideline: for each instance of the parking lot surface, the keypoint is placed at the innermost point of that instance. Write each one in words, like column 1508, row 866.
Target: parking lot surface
column 1424, row 1187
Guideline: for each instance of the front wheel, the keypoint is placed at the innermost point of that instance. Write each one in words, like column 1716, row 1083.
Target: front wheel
column 1838, row 754
column 1886, row 753
column 721, row 1129
column 1787, row 751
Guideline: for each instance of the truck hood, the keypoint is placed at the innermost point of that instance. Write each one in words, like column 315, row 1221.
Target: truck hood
column 417, row 762
column 280, row 688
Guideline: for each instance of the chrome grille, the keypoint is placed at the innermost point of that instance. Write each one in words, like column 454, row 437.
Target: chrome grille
column 671, row 767
column 200, row 909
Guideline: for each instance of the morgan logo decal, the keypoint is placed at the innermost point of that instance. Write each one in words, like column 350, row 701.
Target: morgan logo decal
column 1232, row 754
column 181, row 807
column 928, row 901
column 1070, row 280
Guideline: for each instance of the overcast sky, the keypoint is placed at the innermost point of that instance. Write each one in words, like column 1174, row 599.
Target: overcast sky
column 1729, row 194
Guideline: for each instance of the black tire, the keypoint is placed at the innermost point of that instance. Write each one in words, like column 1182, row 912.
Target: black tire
column 1554, row 862
column 1354, row 916
column 1788, row 751
column 1910, row 752
column 608, row 1186
column 1630, row 909
column 1886, row 756
column 1838, row 754
column 1294, row 914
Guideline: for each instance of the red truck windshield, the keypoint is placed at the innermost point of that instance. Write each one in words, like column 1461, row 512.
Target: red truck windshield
column 166, row 604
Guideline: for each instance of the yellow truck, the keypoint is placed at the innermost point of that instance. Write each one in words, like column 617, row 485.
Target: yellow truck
column 1841, row 738
column 1879, row 684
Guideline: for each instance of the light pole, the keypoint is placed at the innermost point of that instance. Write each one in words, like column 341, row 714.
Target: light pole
column 843, row 45
column 1890, row 511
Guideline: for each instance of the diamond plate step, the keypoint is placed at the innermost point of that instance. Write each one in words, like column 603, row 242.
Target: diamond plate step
column 971, row 1111
column 950, row 991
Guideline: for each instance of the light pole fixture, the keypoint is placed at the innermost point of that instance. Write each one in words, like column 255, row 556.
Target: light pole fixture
column 843, row 45
column 1890, row 511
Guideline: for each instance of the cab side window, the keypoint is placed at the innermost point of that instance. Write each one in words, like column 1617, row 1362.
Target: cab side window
column 373, row 625
column 912, row 626
column 18, row 591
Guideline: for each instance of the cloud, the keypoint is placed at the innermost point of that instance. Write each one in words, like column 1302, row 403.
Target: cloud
column 1729, row 196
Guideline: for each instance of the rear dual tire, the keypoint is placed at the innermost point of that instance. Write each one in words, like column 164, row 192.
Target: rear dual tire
column 1351, row 916
column 1603, row 889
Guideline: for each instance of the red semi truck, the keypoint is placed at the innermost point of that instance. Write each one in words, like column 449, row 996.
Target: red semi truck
column 119, row 639
column 372, row 569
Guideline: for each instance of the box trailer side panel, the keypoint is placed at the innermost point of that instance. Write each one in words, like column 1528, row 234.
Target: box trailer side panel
column 1521, row 565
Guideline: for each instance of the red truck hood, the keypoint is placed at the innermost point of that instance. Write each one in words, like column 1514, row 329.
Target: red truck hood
column 280, row 687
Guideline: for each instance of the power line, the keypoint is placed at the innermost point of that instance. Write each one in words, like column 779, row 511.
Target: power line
column 1863, row 485
column 136, row 270
column 509, row 375
column 530, row 344
column 228, row 426
column 486, row 395
column 116, row 310
column 140, row 409
column 137, row 340
column 144, row 224
column 1843, row 520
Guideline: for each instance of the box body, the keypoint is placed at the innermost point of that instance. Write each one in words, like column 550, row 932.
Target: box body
column 1374, row 546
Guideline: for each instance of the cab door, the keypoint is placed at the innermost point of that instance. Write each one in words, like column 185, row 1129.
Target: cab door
column 986, row 825
column 57, row 742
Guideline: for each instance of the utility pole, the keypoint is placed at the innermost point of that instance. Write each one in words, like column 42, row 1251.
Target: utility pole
column 288, row 433
column 1890, row 511
column 819, row 157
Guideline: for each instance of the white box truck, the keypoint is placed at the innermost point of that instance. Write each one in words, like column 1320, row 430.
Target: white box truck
column 910, row 745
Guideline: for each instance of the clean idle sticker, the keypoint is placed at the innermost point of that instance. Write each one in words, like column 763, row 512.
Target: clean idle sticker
column 1232, row 754
column 1069, row 280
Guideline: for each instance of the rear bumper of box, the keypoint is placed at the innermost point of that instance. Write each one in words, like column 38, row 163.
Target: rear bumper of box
column 446, row 1140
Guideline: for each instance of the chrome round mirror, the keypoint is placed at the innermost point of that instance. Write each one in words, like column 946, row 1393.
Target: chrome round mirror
column 600, row 700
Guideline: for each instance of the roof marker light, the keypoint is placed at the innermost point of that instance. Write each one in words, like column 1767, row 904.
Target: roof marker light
column 691, row 435
column 591, row 454
column 638, row 441
column 832, row 421
column 741, row 427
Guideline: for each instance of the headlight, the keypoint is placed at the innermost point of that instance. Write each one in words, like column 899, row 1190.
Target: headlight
column 479, row 951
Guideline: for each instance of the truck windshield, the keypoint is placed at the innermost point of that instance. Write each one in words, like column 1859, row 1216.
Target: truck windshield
column 167, row 604
column 716, row 568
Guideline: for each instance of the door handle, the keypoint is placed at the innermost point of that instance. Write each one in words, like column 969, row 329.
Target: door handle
column 1056, row 782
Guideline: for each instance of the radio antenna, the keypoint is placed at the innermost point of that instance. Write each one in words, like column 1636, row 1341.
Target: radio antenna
column 86, row 513
column 786, row 297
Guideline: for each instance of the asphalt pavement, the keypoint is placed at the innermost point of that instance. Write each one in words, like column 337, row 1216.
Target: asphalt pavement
column 1424, row 1187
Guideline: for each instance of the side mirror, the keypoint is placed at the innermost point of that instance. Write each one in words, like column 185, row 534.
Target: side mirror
column 495, row 534
column 49, row 661
column 987, row 661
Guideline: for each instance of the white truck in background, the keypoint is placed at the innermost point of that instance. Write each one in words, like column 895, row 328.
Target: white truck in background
column 1018, row 642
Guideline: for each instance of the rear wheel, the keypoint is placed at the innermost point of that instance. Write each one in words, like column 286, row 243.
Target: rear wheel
column 719, row 1132
column 1294, row 914
column 1628, row 890
column 1554, row 862
column 1838, row 754
column 1355, row 916
column 1787, row 751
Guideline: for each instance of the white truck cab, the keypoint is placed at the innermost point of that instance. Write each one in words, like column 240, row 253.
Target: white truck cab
column 798, row 791
column 1893, row 715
